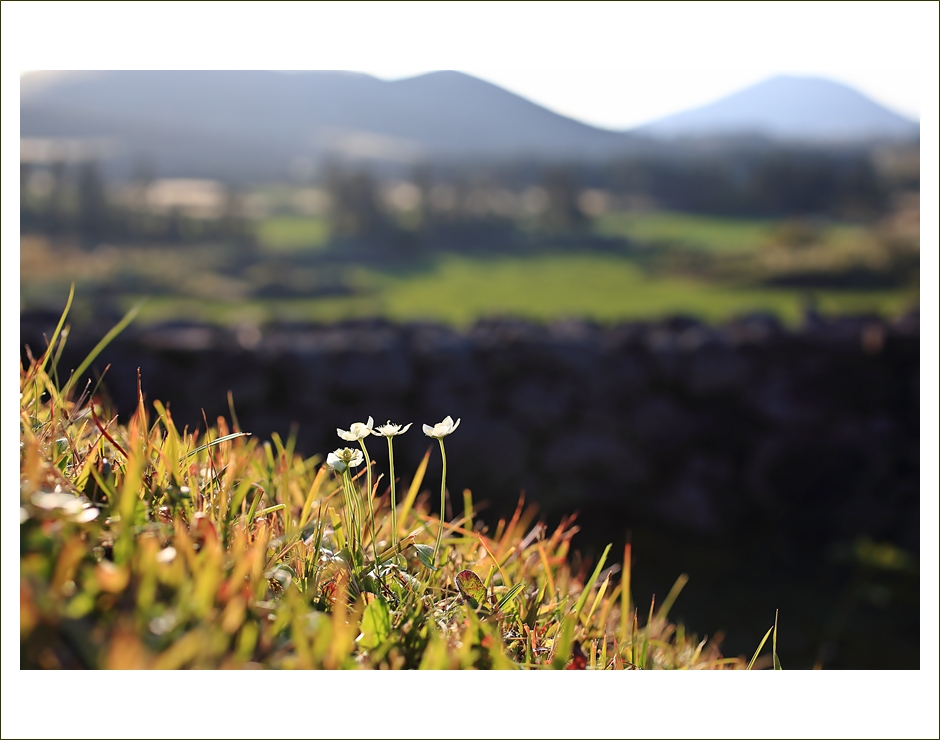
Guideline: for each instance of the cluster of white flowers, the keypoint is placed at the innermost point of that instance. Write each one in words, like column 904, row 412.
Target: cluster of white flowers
column 345, row 458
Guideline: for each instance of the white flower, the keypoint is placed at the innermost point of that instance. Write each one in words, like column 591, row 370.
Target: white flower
column 67, row 502
column 441, row 430
column 344, row 458
column 166, row 555
column 357, row 431
column 390, row 430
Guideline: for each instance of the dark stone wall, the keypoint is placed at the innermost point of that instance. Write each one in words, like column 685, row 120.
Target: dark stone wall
column 708, row 430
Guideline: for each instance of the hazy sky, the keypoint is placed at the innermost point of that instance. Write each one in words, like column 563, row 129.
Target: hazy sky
column 620, row 99
column 614, row 65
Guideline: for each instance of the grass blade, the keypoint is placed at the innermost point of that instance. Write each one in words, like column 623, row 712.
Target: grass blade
column 777, row 666
column 218, row 441
column 413, row 489
column 117, row 329
column 646, row 640
column 509, row 596
column 582, row 600
column 58, row 329
column 759, row 648
column 597, row 600
column 672, row 596
column 625, row 593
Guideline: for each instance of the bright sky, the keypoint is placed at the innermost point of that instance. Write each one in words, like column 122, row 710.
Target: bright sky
column 614, row 65
column 624, row 98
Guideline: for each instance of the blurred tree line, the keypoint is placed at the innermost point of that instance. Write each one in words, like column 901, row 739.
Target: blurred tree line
column 468, row 204
column 74, row 201
column 776, row 183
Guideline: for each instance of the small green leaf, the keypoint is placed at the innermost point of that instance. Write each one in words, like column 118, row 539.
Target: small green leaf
column 376, row 624
column 471, row 587
column 425, row 554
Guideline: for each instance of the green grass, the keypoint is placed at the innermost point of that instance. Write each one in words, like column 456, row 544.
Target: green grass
column 213, row 283
column 146, row 547
column 710, row 233
column 458, row 290
column 291, row 234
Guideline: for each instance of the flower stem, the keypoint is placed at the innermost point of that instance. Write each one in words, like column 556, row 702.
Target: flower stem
column 391, row 469
column 351, row 516
column 440, row 531
column 375, row 552
column 349, row 512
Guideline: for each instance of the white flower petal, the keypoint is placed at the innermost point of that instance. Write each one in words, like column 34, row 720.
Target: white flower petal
column 357, row 431
column 341, row 459
column 67, row 502
column 441, row 430
column 390, row 430
column 86, row 515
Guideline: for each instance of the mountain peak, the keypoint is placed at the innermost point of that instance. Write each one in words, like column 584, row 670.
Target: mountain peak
column 789, row 107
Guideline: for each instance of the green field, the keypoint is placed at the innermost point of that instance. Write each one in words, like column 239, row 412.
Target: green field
column 603, row 288
column 289, row 234
column 711, row 233
column 707, row 267
column 460, row 290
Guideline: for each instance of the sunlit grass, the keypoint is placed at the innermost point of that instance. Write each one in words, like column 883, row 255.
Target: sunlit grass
column 607, row 289
column 460, row 290
column 711, row 233
column 217, row 284
column 291, row 234
column 144, row 546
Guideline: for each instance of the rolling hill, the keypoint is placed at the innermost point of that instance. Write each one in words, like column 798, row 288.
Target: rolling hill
column 219, row 122
column 261, row 125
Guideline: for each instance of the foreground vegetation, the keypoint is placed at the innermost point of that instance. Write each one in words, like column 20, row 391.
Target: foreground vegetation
column 143, row 546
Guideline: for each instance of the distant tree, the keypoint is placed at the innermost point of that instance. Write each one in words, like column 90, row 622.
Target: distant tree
column 423, row 180
column 26, row 169
column 563, row 213
column 57, row 208
column 355, row 204
column 92, row 202
column 232, row 223
column 142, row 177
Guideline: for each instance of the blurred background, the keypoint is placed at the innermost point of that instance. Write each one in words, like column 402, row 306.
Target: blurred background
column 701, row 333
